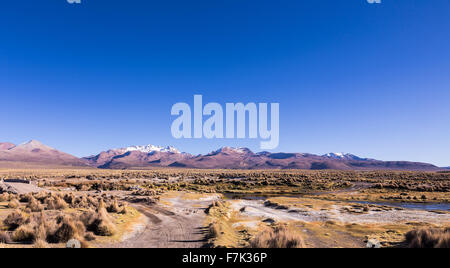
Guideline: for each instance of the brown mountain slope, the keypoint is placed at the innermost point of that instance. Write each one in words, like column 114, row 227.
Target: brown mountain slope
column 243, row 158
column 144, row 160
column 6, row 146
column 36, row 154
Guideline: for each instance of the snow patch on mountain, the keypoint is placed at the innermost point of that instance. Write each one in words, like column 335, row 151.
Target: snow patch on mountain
column 32, row 144
column 335, row 155
column 342, row 156
column 151, row 149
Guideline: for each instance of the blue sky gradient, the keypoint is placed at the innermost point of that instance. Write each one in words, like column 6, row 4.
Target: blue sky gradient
column 372, row 80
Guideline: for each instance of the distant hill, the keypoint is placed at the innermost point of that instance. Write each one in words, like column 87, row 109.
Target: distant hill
column 241, row 158
column 6, row 146
column 35, row 154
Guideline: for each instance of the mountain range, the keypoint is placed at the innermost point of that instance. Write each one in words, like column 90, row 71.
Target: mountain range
column 36, row 154
column 241, row 158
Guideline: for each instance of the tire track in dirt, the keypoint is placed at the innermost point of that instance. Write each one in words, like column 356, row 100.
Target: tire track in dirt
column 168, row 229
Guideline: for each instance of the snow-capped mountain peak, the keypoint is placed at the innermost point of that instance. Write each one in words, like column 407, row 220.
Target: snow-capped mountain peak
column 239, row 150
column 342, row 156
column 32, row 144
column 335, row 155
column 151, row 149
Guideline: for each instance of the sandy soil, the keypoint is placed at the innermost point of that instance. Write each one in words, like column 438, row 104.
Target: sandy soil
column 177, row 224
column 256, row 209
column 178, row 221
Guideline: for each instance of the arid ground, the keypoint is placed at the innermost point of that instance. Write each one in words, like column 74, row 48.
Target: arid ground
column 181, row 208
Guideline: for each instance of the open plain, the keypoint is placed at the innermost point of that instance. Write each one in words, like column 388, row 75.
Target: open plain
column 184, row 208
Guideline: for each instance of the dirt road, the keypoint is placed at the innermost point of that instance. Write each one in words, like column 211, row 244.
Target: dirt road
column 179, row 225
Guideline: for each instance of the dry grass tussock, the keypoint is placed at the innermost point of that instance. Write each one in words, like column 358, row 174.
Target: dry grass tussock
column 428, row 238
column 278, row 237
column 45, row 220
column 15, row 220
column 4, row 238
column 5, row 197
column 56, row 203
column 34, row 205
column 67, row 228
column 24, row 234
column 213, row 230
column 14, row 203
column 114, row 207
column 99, row 222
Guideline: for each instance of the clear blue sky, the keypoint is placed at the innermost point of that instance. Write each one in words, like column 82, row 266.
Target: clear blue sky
column 372, row 80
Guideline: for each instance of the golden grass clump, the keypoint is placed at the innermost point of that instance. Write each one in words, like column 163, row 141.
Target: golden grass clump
column 67, row 228
column 41, row 228
column 278, row 237
column 124, row 210
column 15, row 220
column 428, row 238
column 25, row 198
column 4, row 238
column 69, row 199
column 103, row 225
column 14, row 203
column 92, row 201
column 99, row 222
column 56, row 203
column 24, row 234
column 213, row 230
column 34, row 205
column 89, row 236
column 5, row 197
column 41, row 196
column 80, row 202
column 114, row 207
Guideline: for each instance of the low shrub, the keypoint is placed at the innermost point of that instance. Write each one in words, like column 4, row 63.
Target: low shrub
column 213, row 231
column 278, row 237
column 41, row 228
column 89, row 236
column 14, row 203
column 56, row 203
column 4, row 238
column 34, row 205
column 428, row 238
column 124, row 210
column 4, row 197
column 24, row 234
column 25, row 198
column 68, row 228
column 99, row 222
column 114, row 207
column 15, row 220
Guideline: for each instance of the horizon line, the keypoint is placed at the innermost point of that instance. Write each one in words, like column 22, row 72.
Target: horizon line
column 214, row 150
